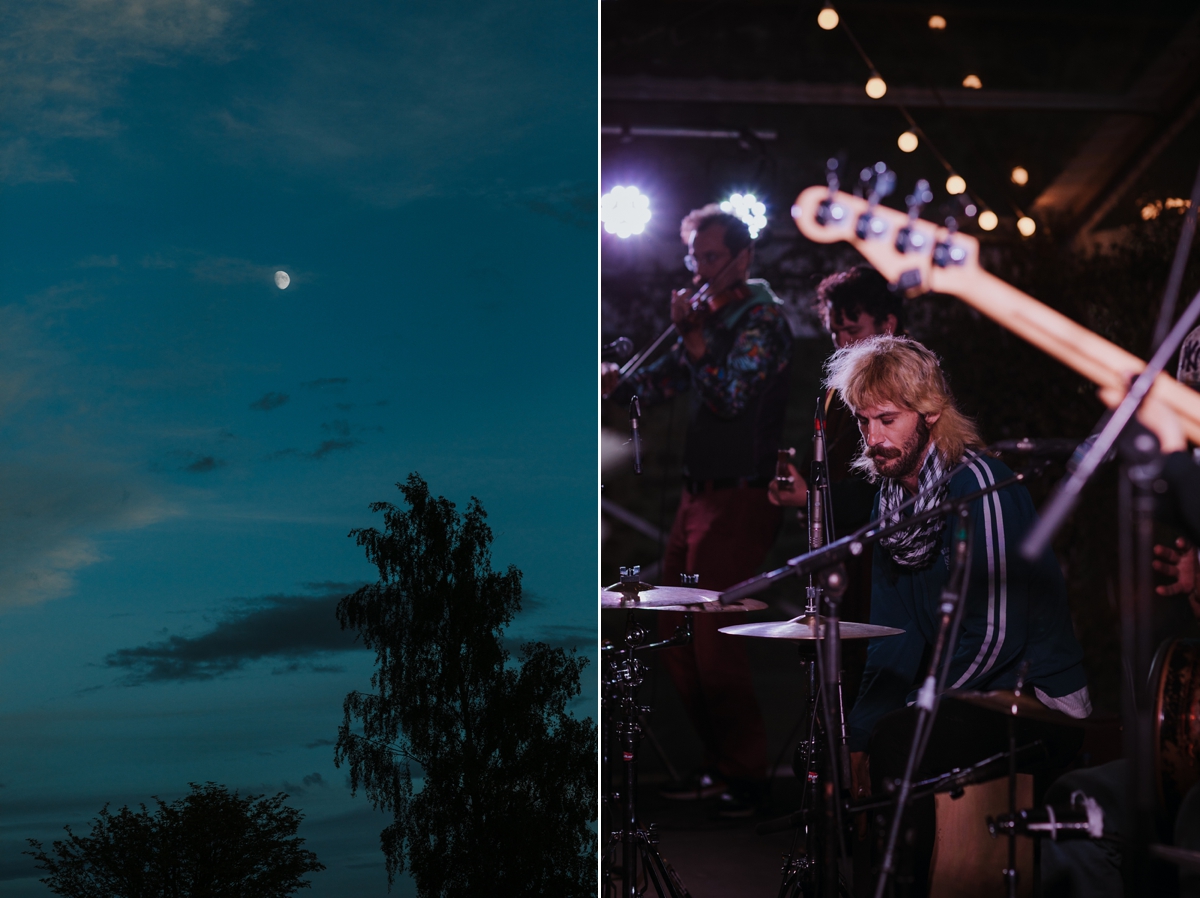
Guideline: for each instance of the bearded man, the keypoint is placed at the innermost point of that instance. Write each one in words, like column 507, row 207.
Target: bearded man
column 1015, row 621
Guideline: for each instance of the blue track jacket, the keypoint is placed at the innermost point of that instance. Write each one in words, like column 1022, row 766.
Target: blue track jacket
column 1015, row 611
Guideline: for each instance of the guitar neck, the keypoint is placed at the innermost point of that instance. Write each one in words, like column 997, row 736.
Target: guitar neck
column 1074, row 345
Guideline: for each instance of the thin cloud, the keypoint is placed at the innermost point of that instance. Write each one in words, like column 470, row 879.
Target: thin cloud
column 64, row 64
column 205, row 464
column 98, row 262
column 228, row 271
column 268, row 401
column 293, row 629
column 330, row 446
column 50, row 517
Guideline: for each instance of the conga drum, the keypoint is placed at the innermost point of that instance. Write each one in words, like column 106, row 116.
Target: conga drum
column 1175, row 678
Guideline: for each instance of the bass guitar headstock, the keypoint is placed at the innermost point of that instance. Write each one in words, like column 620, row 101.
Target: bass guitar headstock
column 915, row 255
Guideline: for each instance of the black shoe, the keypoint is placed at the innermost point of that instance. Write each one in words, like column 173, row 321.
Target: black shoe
column 742, row 800
column 699, row 785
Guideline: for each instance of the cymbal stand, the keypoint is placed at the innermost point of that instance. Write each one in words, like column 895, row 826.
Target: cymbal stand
column 622, row 725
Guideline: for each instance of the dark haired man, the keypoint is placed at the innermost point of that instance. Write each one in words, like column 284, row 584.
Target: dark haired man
column 734, row 362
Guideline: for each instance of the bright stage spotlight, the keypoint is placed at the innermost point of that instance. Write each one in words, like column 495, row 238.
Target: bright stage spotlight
column 937, row 23
column 876, row 86
column 748, row 208
column 1026, row 226
column 988, row 220
column 955, row 185
column 827, row 18
column 624, row 211
column 1019, row 176
column 973, row 82
column 907, row 142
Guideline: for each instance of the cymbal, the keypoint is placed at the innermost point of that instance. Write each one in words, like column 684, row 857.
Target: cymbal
column 1024, row 706
column 801, row 628
column 645, row 595
column 746, row 604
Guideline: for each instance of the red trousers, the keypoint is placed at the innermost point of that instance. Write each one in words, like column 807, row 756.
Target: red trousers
column 724, row 536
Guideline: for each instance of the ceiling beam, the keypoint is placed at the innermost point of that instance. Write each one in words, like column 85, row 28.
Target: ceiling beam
column 1122, row 147
column 711, row 90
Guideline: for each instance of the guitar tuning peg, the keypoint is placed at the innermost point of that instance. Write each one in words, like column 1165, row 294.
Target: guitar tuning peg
column 885, row 183
column 919, row 197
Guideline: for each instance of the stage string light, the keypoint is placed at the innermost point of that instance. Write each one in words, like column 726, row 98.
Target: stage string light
column 827, row 18
column 973, row 82
column 907, row 142
column 749, row 209
column 624, row 211
column 1019, row 176
column 988, row 220
column 1026, row 226
column 876, row 88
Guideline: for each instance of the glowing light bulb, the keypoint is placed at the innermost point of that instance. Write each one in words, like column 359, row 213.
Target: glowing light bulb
column 973, row 82
column 876, row 86
column 937, row 23
column 988, row 220
column 624, row 211
column 749, row 209
column 907, row 142
column 955, row 185
column 827, row 18
column 1026, row 226
column 1020, row 176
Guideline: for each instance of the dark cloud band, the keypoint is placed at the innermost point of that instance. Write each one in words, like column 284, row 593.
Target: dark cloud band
column 291, row 628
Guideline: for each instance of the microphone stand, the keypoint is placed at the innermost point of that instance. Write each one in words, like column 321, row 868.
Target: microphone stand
column 828, row 648
column 1140, row 466
column 952, row 601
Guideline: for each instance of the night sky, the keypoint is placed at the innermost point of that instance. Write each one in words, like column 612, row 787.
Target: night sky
column 185, row 446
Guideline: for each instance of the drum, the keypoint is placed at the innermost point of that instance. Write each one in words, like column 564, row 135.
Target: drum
column 1175, row 678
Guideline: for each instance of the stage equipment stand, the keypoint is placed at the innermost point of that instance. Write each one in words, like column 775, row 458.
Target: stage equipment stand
column 622, row 727
column 1140, row 467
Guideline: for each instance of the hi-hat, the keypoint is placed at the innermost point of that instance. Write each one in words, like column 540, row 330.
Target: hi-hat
column 801, row 628
column 645, row 595
column 1023, row 706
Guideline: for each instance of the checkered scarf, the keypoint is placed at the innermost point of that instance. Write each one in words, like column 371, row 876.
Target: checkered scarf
column 916, row 546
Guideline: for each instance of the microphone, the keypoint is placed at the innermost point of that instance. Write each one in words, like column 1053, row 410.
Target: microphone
column 617, row 351
column 816, row 497
column 635, row 412
column 1082, row 818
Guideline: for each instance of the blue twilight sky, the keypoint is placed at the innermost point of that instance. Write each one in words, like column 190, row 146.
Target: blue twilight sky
column 184, row 446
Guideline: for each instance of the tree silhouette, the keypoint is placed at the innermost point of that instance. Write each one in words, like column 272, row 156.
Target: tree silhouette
column 507, row 778
column 209, row 844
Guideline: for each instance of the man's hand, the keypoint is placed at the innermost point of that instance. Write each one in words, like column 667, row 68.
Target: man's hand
column 1180, row 565
column 797, row 495
column 610, row 373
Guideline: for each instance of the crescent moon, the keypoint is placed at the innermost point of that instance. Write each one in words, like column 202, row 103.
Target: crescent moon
column 282, row 280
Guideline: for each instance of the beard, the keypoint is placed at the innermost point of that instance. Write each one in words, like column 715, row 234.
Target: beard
column 897, row 464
